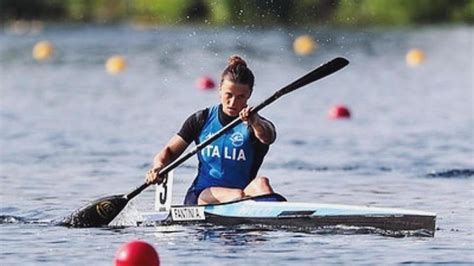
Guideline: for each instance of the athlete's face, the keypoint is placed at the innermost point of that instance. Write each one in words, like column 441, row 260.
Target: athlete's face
column 233, row 97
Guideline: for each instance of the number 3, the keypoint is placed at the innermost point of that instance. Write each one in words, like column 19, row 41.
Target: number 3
column 164, row 193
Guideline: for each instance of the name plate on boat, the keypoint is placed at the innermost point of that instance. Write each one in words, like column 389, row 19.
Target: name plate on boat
column 187, row 213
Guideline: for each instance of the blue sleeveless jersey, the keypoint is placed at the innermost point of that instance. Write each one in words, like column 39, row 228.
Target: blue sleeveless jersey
column 227, row 161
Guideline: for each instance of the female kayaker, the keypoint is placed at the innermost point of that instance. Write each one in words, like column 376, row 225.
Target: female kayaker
column 228, row 166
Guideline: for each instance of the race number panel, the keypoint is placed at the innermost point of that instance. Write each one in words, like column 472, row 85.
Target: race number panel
column 163, row 194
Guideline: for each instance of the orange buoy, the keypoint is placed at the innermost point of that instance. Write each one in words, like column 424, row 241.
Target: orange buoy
column 304, row 45
column 137, row 253
column 115, row 64
column 339, row 112
column 205, row 83
column 415, row 57
column 43, row 50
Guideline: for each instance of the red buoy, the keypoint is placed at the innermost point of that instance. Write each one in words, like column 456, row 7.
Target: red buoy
column 339, row 112
column 136, row 253
column 205, row 83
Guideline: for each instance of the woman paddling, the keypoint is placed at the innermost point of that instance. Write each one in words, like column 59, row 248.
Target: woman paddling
column 228, row 166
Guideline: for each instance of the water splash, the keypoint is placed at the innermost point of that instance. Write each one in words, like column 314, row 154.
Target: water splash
column 128, row 216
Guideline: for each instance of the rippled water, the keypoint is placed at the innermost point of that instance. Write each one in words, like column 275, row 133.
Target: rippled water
column 71, row 133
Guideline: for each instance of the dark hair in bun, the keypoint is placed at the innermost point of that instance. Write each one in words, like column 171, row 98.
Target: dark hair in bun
column 238, row 72
column 236, row 60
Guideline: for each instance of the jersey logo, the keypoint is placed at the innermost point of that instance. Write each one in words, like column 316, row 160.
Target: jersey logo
column 237, row 139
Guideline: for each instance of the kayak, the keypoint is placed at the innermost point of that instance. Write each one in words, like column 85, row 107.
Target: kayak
column 273, row 210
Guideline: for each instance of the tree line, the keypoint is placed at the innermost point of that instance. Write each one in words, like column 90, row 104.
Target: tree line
column 227, row 12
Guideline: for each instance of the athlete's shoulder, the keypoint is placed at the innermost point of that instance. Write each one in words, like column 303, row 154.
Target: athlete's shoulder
column 193, row 124
column 202, row 114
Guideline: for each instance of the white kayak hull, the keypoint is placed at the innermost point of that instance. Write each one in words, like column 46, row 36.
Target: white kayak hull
column 273, row 211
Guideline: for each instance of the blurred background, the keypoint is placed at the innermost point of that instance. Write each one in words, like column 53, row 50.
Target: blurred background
column 230, row 12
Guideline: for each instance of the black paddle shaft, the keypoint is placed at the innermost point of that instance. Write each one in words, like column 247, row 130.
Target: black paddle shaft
column 319, row 73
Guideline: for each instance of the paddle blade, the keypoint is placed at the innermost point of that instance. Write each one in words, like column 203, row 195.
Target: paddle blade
column 98, row 213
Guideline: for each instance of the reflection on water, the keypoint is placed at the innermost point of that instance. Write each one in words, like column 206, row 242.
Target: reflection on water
column 248, row 234
column 231, row 236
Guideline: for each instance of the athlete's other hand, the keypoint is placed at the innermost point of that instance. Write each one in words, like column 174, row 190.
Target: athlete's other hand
column 153, row 177
column 247, row 117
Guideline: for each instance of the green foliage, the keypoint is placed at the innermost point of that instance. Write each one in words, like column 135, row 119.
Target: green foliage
column 393, row 12
column 95, row 10
column 258, row 12
column 219, row 11
column 464, row 12
column 29, row 9
column 161, row 11
column 313, row 11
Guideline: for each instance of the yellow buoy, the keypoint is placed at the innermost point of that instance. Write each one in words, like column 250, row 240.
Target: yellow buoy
column 115, row 64
column 415, row 57
column 304, row 45
column 43, row 50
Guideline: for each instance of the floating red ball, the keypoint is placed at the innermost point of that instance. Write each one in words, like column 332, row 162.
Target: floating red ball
column 339, row 112
column 205, row 83
column 136, row 253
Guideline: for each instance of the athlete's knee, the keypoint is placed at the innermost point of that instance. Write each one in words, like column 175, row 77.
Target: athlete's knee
column 206, row 197
column 218, row 194
column 262, row 182
column 235, row 194
column 262, row 185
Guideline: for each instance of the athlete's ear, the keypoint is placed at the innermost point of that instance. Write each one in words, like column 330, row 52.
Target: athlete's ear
column 219, row 94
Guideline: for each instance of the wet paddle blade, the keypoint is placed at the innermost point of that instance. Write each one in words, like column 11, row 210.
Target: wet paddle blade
column 98, row 213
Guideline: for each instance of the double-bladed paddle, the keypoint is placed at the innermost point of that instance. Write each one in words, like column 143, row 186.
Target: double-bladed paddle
column 102, row 211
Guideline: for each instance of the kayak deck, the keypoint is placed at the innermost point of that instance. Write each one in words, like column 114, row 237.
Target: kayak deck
column 274, row 210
